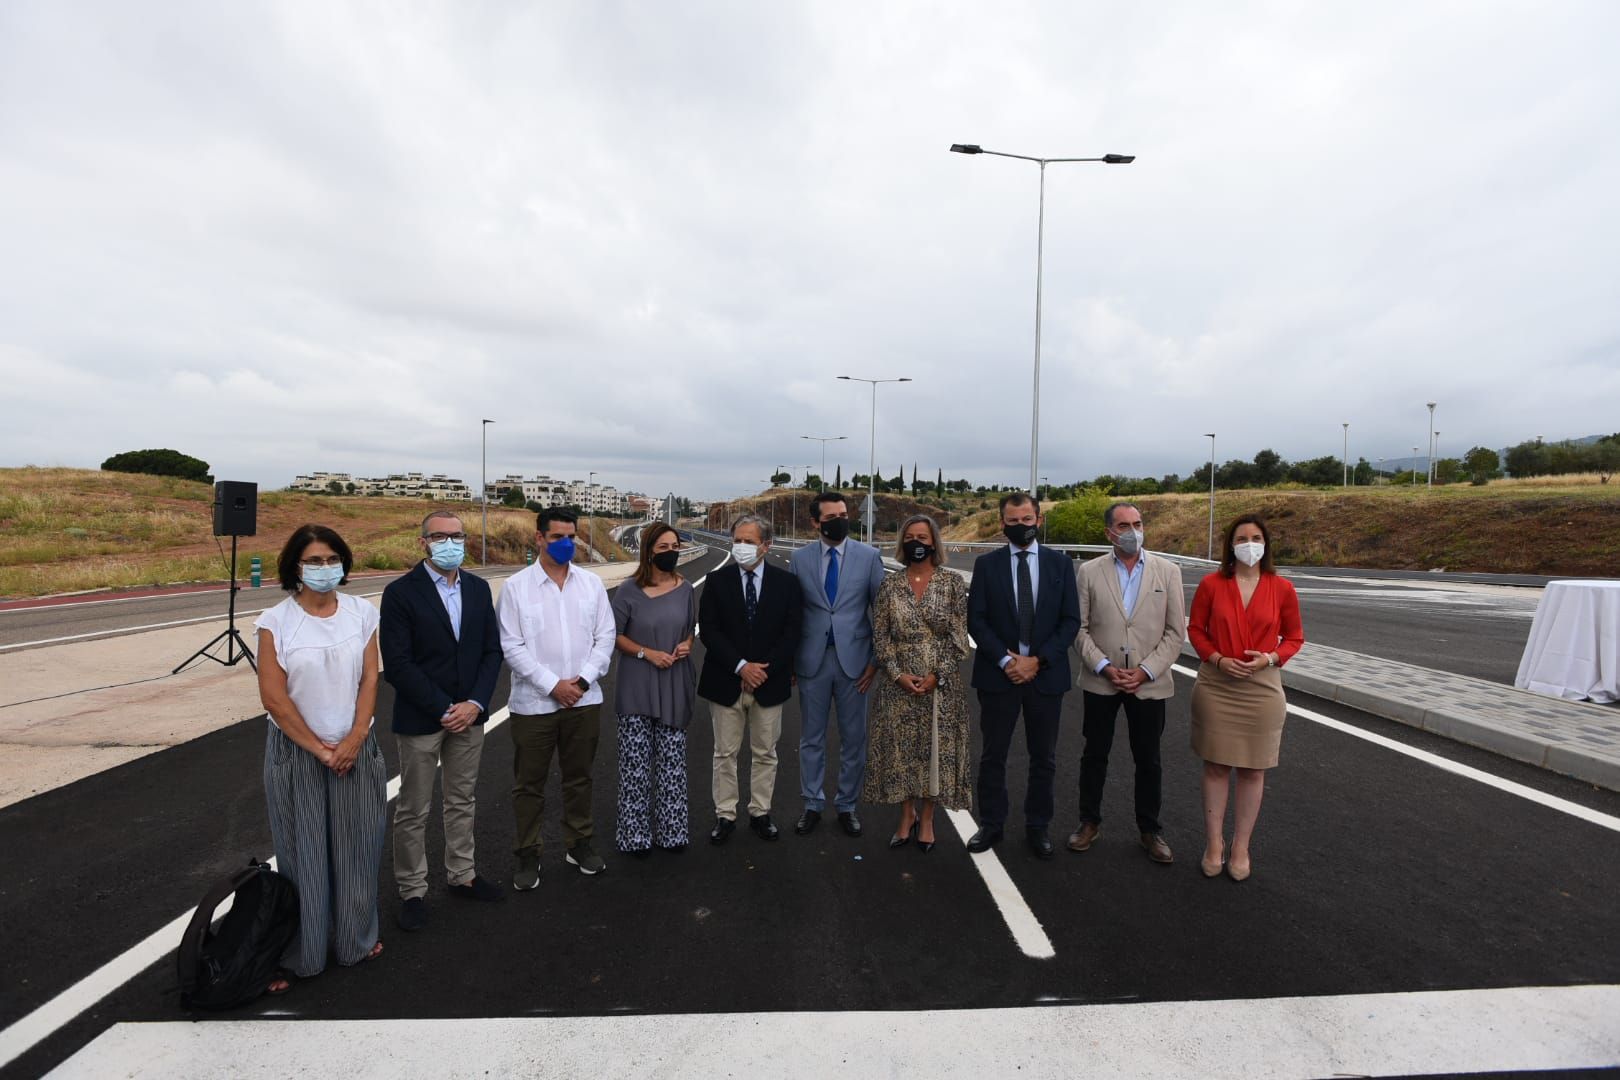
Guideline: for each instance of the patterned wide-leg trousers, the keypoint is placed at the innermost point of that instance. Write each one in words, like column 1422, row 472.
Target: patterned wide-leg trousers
column 652, row 785
column 328, row 835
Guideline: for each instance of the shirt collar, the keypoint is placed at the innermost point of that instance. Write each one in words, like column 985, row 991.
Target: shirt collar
column 1140, row 559
column 838, row 547
column 441, row 580
column 1034, row 547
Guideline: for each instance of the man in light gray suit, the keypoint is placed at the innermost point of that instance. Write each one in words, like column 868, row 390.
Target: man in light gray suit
column 839, row 578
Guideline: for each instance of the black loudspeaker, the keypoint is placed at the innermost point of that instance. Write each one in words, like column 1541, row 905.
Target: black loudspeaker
column 236, row 508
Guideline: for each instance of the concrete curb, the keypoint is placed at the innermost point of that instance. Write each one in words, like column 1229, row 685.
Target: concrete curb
column 1589, row 764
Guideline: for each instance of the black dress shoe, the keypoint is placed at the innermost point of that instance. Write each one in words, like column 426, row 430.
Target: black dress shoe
column 986, row 838
column 764, row 827
column 721, row 831
column 1039, row 843
column 808, row 822
column 478, row 889
column 850, row 822
column 413, row 914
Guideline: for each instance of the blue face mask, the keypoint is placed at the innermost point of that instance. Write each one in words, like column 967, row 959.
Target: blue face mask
column 322, row 579
column 447, row 554
column 561, row 551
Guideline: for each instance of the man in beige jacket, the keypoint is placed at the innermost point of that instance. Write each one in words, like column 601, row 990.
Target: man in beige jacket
column 1131, row 629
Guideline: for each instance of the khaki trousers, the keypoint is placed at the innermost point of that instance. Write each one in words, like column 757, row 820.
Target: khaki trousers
column 764, row 726
column 420, row 756
column 571, row 735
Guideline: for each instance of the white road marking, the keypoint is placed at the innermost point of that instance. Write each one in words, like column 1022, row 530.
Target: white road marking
column 28, row 1032
column 1553, row 802
column 1015, row 910
column 117, row 630
column 1449, row 1031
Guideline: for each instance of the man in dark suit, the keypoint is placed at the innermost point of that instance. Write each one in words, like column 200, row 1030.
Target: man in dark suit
column 748, row 619
column 441, row 652
column 1023, row 613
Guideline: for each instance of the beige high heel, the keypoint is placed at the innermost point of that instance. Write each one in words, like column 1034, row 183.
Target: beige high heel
column 1232, row 871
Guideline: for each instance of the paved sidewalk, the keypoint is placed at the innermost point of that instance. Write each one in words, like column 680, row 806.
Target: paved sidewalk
column 1575, row 738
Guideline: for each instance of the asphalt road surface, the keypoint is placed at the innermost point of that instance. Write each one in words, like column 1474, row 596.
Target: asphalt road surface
column 1375, row 872
column 1468, row 626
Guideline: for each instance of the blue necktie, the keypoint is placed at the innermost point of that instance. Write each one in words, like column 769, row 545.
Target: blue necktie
column 831, row 584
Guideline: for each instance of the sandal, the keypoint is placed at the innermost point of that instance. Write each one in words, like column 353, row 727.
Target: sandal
column 376, row 950
column 280, row 983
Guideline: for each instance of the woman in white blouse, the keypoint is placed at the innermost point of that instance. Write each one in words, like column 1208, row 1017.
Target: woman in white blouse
column 324, row 777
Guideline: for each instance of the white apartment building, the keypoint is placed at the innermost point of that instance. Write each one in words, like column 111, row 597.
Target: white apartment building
column 409, row 485
column 545, row 491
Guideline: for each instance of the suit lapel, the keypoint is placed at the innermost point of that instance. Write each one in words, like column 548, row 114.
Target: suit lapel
column 430, row 590
column 1111, row 573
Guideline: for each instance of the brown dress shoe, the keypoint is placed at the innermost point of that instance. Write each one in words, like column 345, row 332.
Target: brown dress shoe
column 1083, row 837
column 1157, row 849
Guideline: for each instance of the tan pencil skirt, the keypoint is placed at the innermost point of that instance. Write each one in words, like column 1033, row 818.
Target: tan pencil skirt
column 1238, row 721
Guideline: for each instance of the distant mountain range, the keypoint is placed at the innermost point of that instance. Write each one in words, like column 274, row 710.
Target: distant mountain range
column 1421, row 462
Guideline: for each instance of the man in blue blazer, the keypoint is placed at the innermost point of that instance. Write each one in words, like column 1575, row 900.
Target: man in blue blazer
column 441, row 652
column 838, row 580
column 1023, row 613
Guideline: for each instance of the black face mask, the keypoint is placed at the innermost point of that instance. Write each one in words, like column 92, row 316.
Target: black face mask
column 916, row 551
column 835, row 529
column 1021, row 535
column 666, row 560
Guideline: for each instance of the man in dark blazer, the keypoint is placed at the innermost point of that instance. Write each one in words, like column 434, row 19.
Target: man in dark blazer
column 1023, row 613
column 441, row 652
column 748, row 618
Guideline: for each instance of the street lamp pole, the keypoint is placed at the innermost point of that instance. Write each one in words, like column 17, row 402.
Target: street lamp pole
column 1346, row 459
column 1040, row 240
column 1210, row 554
column 1414, row 466
column 871, row 468
column 483, row 490
column 590, row 508
column 823, row 440
column 1431, row 444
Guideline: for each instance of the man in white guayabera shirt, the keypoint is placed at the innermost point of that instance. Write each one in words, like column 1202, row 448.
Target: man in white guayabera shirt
column 557, row 634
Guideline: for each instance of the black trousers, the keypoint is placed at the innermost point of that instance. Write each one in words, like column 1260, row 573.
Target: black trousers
column 1144, row 720
column 998, row 715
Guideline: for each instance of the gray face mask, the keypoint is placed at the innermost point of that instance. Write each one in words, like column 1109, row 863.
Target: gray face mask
column 1129, row 541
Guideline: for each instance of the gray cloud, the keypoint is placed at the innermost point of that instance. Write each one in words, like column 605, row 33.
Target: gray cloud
column 646, row 239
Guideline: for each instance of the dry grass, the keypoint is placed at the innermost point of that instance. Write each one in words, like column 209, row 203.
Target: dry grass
column 70, row 530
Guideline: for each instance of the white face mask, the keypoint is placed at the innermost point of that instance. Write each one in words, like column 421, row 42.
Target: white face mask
column 1250, row 553
column 1129, row 541
column 745, row 554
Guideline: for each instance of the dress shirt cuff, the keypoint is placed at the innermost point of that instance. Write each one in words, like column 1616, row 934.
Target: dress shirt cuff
column 1104, row 662
column 1005, row 660
column 740, row 665
column 1143, row 669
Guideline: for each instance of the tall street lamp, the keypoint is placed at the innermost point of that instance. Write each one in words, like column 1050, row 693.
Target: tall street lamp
column 871, row 468
column 590, row 508
column 1414, row 466
column 824, row 440
column 1040, row 238
column 483, row 490
column 1431, row 444
column 1346, row 459
column 1210, row 554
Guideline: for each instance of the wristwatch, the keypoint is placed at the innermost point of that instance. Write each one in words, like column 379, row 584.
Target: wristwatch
column 641, row 654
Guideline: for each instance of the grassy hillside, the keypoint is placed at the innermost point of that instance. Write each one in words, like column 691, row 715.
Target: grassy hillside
column 1549, row 527
column 65, row 530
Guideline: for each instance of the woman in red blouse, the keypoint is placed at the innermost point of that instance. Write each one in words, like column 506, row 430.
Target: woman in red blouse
column 1245, row 625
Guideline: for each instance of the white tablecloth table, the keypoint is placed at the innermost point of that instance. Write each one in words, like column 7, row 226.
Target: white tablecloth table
column 1574, row 647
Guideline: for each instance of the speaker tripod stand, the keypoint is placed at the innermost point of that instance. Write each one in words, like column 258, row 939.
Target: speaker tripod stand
column 230, row 635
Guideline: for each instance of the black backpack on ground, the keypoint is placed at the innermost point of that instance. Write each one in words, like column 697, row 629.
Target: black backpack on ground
column 220, row 969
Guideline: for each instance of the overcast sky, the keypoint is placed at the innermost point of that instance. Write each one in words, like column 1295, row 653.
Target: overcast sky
column 646, row 238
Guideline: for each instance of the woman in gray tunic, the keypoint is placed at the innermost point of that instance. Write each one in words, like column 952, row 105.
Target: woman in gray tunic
column 656, row 614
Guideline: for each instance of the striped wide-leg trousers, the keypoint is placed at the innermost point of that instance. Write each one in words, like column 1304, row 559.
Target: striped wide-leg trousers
column 328, row 834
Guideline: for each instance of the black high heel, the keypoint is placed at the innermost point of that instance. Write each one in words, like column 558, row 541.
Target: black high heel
column 902, row 839
column 924, row 846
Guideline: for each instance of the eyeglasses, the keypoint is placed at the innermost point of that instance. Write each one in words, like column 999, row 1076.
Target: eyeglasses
column 316, row 560
column 439, row 538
